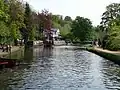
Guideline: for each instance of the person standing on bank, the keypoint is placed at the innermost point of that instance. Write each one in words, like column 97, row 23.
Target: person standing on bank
column 99, row 43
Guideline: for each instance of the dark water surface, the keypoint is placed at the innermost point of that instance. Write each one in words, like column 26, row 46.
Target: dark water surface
column 60, row 68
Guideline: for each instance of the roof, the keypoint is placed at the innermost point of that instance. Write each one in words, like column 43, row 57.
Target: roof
column 55, row 29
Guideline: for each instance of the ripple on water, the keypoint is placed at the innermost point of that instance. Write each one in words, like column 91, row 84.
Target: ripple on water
column 63, row 68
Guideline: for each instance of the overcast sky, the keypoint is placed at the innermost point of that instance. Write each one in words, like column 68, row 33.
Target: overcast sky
column 91, row 9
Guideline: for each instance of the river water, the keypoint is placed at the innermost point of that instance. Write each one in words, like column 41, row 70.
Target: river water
column 60, row 68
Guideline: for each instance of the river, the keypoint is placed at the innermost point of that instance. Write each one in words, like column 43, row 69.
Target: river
column 60, row 68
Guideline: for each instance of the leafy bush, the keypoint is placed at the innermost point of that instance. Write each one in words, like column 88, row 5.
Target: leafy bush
column 113, row 42
column 4, row 31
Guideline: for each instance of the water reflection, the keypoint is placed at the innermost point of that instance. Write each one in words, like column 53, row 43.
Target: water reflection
column 61, row 68
column 28, row 55
column 111, row 75
column 16, row 55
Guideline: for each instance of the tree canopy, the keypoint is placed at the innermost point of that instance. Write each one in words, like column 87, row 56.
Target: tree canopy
column 68, row 18
column 81, row 28
column 111, row 14
column 20, row 21
column 110, row 24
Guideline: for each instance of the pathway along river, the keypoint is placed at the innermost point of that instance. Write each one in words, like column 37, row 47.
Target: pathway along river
column 61, row 68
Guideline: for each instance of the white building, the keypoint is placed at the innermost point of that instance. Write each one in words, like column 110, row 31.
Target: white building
column 54, row 33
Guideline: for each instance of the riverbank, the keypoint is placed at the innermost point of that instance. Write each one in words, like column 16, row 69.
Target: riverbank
column 13, row 49
column 110, row 55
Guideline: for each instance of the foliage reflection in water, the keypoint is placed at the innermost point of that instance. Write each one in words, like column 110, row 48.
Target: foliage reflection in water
column 61, row 68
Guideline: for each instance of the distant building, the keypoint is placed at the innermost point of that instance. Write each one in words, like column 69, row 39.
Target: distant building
column 55, row 33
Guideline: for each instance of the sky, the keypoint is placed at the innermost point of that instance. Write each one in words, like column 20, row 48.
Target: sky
column 91, row 9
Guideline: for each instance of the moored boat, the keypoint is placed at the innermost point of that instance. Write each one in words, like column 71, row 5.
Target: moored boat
column 4, row 62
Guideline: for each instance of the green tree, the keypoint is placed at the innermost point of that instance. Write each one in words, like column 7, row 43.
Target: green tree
column 65, row 30
column 67, row 18
column 63, row 25
column 110, row 26
column 28, row 23
column 113, row 40
column 4, row 33
column 111, row 14
column 81, row 28
column 58, row 19
column 16, row 21
column 36, row 32
column 4, row 16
